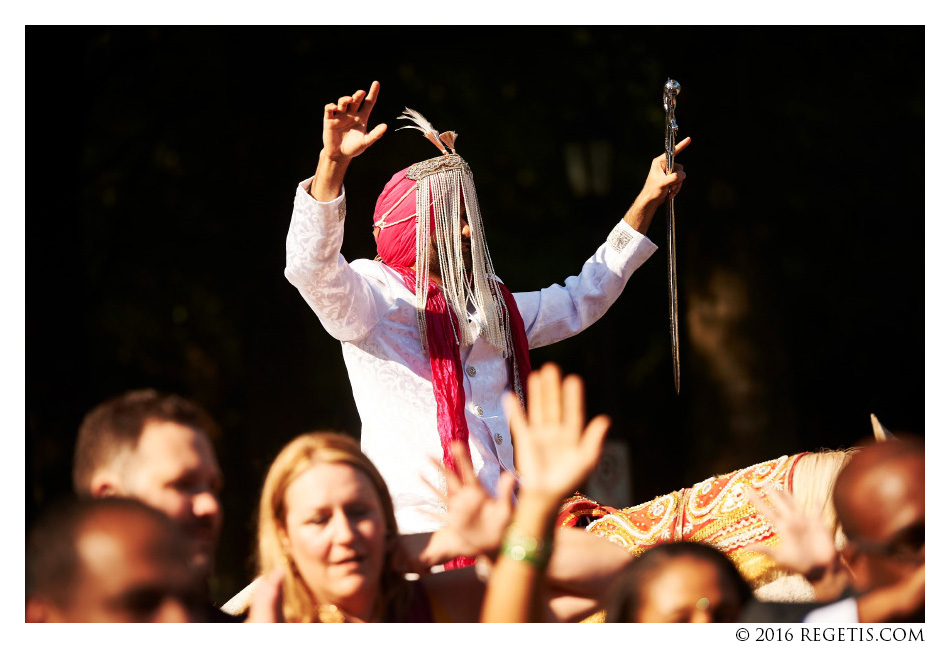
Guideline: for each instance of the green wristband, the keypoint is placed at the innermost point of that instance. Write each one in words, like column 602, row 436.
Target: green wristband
column 523, row 548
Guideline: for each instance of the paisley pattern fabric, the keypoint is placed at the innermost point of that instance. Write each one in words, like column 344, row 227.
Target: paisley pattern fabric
column 715, row 511
column 367, row 306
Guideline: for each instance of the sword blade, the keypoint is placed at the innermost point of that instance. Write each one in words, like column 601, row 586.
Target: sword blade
column 674, row 297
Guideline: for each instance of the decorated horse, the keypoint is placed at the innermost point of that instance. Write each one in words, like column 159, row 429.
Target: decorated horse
column 717, row 511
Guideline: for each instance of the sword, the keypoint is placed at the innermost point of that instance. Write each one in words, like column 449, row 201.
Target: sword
column 670, row 90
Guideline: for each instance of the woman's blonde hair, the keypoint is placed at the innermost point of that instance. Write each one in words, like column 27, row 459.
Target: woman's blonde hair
column 295, row 459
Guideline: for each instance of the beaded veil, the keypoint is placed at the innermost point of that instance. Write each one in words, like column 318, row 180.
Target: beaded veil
column 443, row 185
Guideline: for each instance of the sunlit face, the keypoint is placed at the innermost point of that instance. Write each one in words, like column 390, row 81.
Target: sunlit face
column 335, row 531
column 688, row 590
column 174, row 470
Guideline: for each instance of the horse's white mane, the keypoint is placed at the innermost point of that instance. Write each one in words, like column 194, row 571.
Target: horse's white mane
column 812, row 485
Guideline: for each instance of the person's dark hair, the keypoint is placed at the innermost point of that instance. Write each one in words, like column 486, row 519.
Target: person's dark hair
column 114, row 427
column 52, row 561
column 627, row 598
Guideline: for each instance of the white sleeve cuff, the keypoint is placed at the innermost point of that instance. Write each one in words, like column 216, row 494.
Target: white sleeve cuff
column 623, row 235
column 304, row 186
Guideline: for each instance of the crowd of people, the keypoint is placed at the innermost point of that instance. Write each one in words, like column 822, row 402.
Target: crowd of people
column 329, row 548
column 375, row 530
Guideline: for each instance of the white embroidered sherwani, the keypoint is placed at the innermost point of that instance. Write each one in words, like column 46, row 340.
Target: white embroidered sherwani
column 366, row 306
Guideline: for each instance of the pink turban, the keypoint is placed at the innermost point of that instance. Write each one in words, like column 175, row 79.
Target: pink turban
column 396, row 241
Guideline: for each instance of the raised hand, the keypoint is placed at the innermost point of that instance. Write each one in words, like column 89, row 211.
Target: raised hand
column 555, row 451
column 476, row 521
column 806, row 544
column 345, row 135
column 267, row 603
column 346, row 131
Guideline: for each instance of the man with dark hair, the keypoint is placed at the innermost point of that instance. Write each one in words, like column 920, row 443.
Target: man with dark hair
column 156, row 448
column 114, row 560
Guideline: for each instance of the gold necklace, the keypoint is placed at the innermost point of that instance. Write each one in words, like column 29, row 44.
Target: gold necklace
column 330, row 614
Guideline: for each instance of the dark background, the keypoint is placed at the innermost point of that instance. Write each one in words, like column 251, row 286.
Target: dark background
column 162, row 163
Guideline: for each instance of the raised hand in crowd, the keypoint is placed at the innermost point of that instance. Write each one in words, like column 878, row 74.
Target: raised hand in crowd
column 476, row 521
column 805, row 546
column 267, row 602
column 556, row 451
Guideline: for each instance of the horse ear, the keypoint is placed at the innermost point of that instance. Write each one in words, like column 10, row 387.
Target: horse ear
column 881, row 433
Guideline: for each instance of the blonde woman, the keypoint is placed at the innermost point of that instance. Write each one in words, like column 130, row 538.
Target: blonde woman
column 327, row 531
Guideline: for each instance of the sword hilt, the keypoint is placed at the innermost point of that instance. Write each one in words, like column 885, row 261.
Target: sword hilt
column 670, row 90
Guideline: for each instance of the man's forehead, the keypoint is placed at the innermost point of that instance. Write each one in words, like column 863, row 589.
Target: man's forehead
column 888, row 497
column 166, row 442
column 119, row 552
column 899, row 480
column 124, row 541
